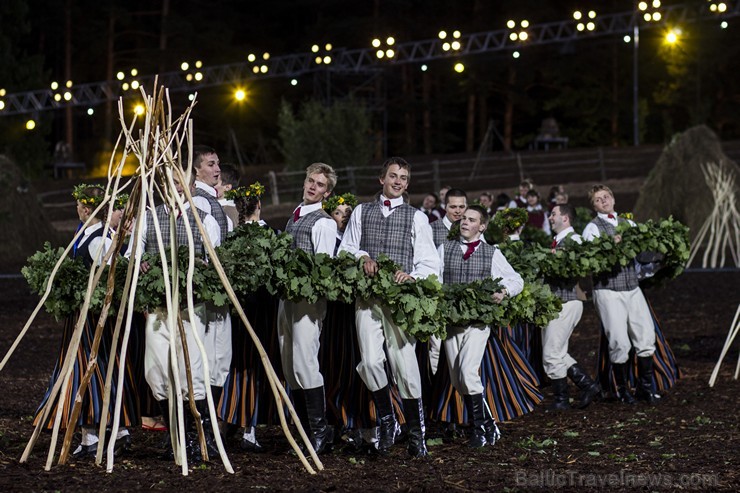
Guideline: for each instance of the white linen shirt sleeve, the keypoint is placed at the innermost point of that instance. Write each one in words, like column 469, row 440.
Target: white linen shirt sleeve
column 441, row 255
column 324, row 236
column 590, row 232
column 510, row 278
column 212, row 230
column 353, row 235
column 98, row 253
column 426, row 260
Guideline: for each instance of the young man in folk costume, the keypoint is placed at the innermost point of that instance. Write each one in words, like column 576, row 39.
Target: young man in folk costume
column 157, row 353
column 464, row 260
column 218, row 340
column 622, row 307
column 389, row 226
column 557, row 362
column 456, row 201
column 228, row 180
column 299, row 323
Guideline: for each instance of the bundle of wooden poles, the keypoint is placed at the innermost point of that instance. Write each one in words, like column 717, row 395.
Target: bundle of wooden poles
column 162, row 146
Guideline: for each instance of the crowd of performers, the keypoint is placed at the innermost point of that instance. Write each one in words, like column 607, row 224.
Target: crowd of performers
column 353, row 376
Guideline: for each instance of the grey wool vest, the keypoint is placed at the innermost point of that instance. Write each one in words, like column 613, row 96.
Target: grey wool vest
column 301, row 229
column 477, row 267
column 181, row 236
column 565, row 289
column 216, row 211
column 392, row 235
column 620, row 278
column 439, row 232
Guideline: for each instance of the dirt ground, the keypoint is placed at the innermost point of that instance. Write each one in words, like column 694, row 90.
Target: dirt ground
column 689, row 441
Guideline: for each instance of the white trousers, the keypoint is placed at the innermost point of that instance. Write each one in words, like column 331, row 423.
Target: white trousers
column 157, row 369
column 465, row 347
column 299, row 329
column 627, row 322
column 218, row 342
column 374, row 327
column 555, row 336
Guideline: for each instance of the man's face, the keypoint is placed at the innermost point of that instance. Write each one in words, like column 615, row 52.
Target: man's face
column 315, row 188
column 456, row 206
column 222, row 188
column 443, row 194
column 429, row 202
column 485, row 201
column 471, row 226
column 209, row 171
column 558, row 221
column 603, row 202
column 395, row 181
column 341, row 216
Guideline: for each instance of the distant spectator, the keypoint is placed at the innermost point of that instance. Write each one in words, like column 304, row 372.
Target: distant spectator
column 486, row 201
column 524, row 187
column 429, row 207
column 503, row 201
column 554, row 191
column 538, row 216
column 442, row 202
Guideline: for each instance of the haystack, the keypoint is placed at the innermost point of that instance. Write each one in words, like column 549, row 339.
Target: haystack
column 677, row 186
column 22, row 221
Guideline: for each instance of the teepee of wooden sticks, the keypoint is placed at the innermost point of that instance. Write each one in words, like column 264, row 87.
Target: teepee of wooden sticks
column 162, row 146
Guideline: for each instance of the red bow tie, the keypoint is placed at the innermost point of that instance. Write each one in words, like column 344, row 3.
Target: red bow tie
column 610, row 216
column 471, row 248
column 297, row 214
column 387, row 203
column 554, row 244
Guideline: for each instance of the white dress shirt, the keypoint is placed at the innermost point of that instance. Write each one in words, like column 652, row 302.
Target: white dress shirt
column 94, row 247
column 203, row 204
column 324, row 231
column 500, row 267
column 575, row 236
column 591, row 230
column 426, row 261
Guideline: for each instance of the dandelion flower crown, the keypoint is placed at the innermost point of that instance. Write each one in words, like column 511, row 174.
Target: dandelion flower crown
column 336, row 200
column 80, row 194
column 255, row 190
column 509, row 220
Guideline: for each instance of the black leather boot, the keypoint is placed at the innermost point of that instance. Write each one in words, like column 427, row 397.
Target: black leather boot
column 386, row 419
column 590, row 390
column 192, row 440
column 620, row 376
column 560, row 400
column 476, row 418
column 205, row 417
column 493, row 434
column 164, row 408
column 645, row 383
column 413, row 410
column 322, row 435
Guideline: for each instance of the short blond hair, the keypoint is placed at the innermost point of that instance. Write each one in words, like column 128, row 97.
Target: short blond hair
column 327, row 171
column 598, row 188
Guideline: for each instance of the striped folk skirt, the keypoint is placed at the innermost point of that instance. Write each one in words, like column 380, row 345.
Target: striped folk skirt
column 665, row 367
column 348, row 401
column 247, row 399
column 92, row 399
column 509, row 382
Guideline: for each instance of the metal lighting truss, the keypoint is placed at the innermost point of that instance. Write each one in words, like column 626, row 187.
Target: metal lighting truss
column 361, row 60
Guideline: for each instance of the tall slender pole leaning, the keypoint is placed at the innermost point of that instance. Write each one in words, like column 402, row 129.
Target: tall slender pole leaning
column 734, row 329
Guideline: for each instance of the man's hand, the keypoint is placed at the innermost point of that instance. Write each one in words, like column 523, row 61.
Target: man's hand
column 401, row 276
column 499, row 296
column 144, row 267
column 370, row 266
